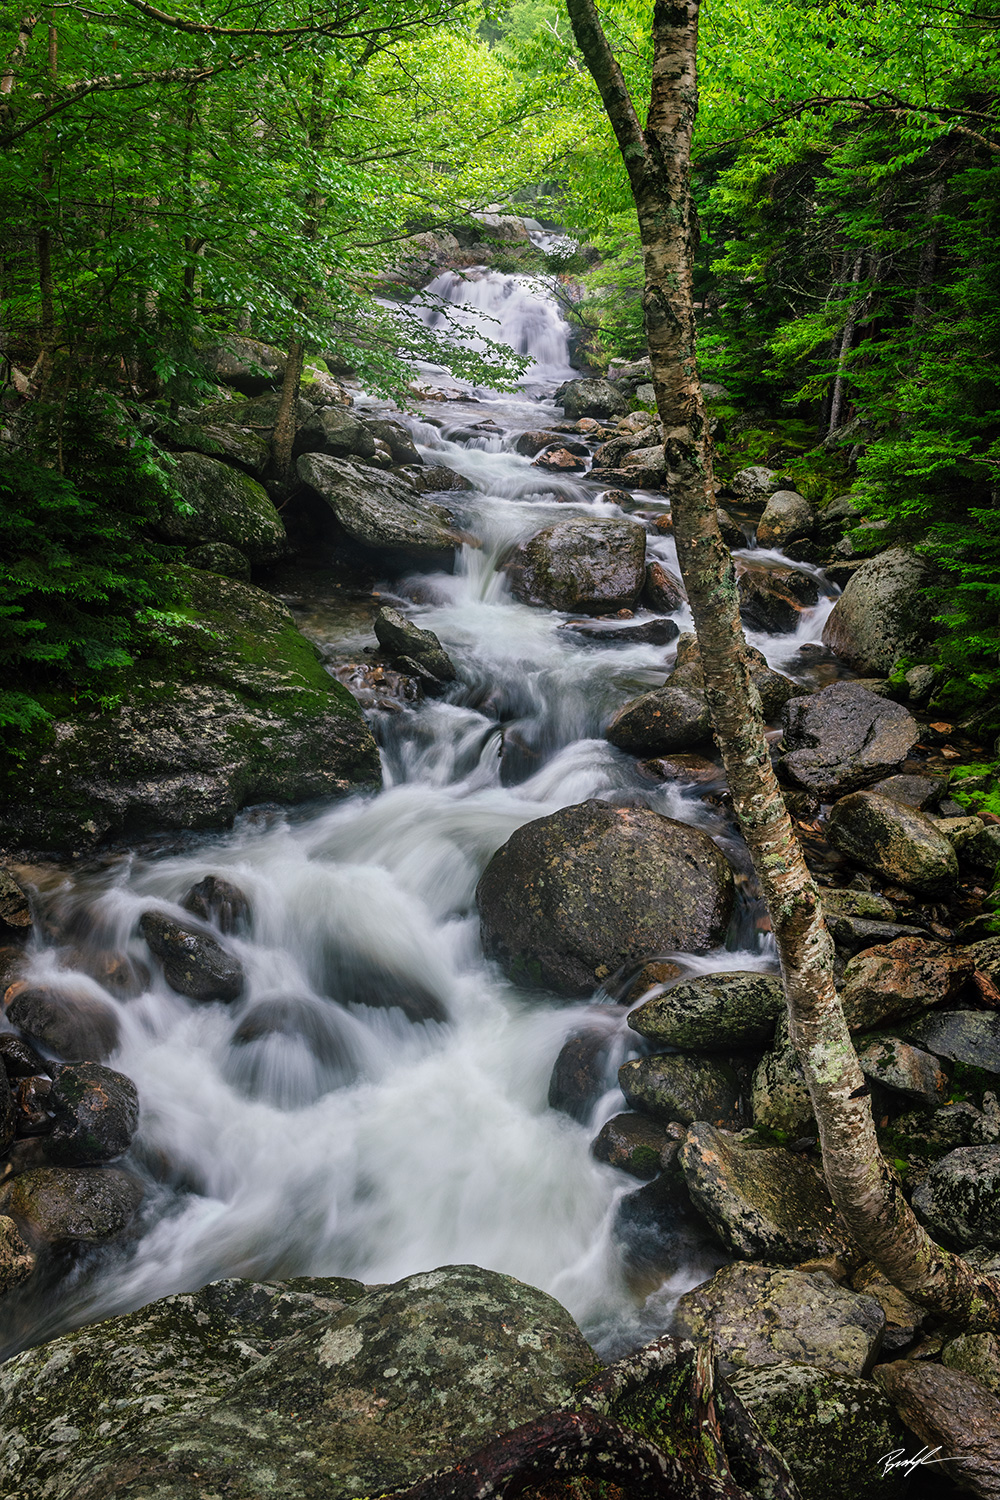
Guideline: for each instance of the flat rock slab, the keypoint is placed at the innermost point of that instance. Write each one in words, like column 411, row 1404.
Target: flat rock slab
column 717, row 1012
column 844, row 738
column 389, row 1388
column 959, row 1200
column 585, row 566
column 575, row 897
column 763, row 1202
column 831, row 1430
column 758, row 1315
column 954, row 1416
column 896, row 841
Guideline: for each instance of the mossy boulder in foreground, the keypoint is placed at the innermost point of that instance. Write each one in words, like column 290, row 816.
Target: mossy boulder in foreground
column 234, row 709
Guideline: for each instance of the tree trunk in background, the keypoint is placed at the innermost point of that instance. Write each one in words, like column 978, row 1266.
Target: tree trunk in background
column 863, row 1185
column 846, row 340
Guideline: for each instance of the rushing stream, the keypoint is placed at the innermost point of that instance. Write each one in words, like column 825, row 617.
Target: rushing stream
column 379, row 1147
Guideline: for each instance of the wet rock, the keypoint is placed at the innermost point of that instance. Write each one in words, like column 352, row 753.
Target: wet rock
column 579, row 1076
column 393, row 1386
column 662, row 589
column 194, row 964
column 882, row 613
column 434, row 479
column 755, row 486
column 591, row 889
column 976, row 1355
column 635, row 1144
column 756, row 1315
column 95, row 1114
column 8, row 1114
column 684, row 767
column 590, row 398
column 124, row 976
column 672, row 717
column 718, row 1012
column 246, row 714
column 290, row 1015
column 63, row 1206
column 397, row 439
column 378, row 510
column 658, row 1234
column 219, row 901
column 618, row 632
column 854, row 934
column 15, row 907
column 219, row 557
column 982, row 852
column 17, row 1259
column 959, row 1200
column 671, row 1088
column 732, row 532
column 779, row 1097
column 655, row 975
column 787, row 517
column 226, row 506
column 844, row 738
column 561, row 461
column 904, row 1069
column 896, row 841
column 833, row 1431
column 919, row 1137
column 530, row 443
column 763, row 1202
column 953, row 1416
column 399, row 637
column 586, row 566
column 772, row 599
column 31, row 1099
column 17, row 1059
column 337, row 433
column 969, row 1037
column 901, row 979
column 71, row 1023
column 921, row 792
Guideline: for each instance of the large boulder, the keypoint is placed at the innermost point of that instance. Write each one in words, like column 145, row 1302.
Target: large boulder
column 188, row 1400
column 903, row 1069
column 378, row 510
column 882, row 613
column 896, row 841
column 672, row 717
column 339, row 433
column 590, row 398
column 899, row 979
column 833, row 1431
column 194, row 964
column 717, row 1012
column 400, row 637
column 223, row 435
column 955, row 1418
column 844, row 738
column 572, row 898
column 772, row 599
column 968, row 1037
column 758, row 1315
column 959, row 1199
column 668, row 1087
column 95, row 1112
column 762, row 1201
column 587, row 566
column 787, row 517
column 222, row 504
column 72, row 1023
column 239, row 711
column 245, row 363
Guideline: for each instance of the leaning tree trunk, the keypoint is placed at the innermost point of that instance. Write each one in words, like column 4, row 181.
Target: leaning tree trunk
column 862, row 1184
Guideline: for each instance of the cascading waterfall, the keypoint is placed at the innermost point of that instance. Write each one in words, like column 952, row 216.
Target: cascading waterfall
column 357, row 1141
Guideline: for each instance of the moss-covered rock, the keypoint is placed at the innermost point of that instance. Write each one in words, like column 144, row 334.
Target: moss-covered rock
column 896, row 841
column 670, row 1087
column 960, row 1198
column 831, row 1430
column 223, row 505
column 779, row 1097
column 714, row 1013
column 234, row 708
column 72, row 1205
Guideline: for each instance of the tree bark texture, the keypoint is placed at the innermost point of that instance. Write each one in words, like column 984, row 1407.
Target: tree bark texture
column 863, row 1185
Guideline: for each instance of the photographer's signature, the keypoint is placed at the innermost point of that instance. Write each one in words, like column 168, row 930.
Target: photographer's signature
column 897, row 1459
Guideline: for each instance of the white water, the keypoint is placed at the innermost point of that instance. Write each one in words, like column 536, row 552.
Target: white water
column 384, row 1148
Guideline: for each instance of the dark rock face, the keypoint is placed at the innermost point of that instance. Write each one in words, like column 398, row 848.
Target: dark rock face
column 970, row 1037
column 959, row 1200
column 590, row 567
column 433, row 479
column 73, row 1025
column 831, row 1430
column 574, row 897
column 882, row 614
column 844, row 738
column 15, row 908
column 578, row 1077
column 590, row 398
column 894, row 840
column 603, row 633
column 8, row 1114
column 379, row 510
column 333, row 1405
column 17, row 1259
column 757, row 1315
column 399, row 637
column 718, row 1012
column 904, row 1069
column 219, row 557
column 194, row 964
column 219, row 901
column 953, row 1415
column 249, row 716
column 96, row 1112
column 671, row 1088
column 635, row 1144
column 772, row 599
column 227, row 506
column 662, row 589
column 672, row 717
column 763, row 1202
column 74, row 1205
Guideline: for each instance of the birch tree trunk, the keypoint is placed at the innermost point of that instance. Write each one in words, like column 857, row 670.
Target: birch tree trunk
column 862, row 1184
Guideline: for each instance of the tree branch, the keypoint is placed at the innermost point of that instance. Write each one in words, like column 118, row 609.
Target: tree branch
column 611, row 84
